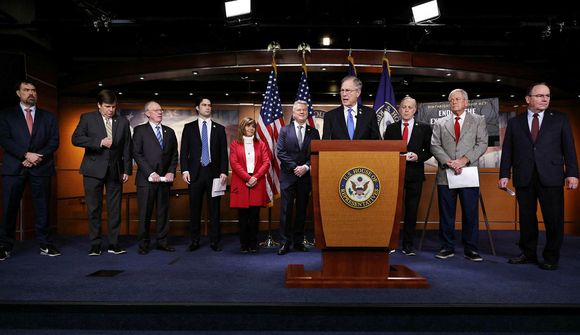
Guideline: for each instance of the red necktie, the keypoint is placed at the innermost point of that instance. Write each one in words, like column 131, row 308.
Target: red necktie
column 406, row 131
column 457, row 129
column 29, row 119
column 535, row 127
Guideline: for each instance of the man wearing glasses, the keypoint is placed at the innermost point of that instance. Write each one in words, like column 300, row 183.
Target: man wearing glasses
column 539, row 149
column 350, row 121
column 155, row 152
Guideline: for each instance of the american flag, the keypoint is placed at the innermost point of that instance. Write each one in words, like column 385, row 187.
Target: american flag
column 304, row 95
column 269, row 125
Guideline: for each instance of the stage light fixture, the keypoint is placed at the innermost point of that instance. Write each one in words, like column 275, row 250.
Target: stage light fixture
column 425, row 12
column 238, row 10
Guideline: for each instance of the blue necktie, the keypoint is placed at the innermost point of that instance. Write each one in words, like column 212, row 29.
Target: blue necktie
column 350, row 124
column 158, row 135
column 204, row 145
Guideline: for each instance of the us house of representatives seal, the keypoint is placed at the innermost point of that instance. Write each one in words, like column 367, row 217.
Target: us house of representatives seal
column 359, row 188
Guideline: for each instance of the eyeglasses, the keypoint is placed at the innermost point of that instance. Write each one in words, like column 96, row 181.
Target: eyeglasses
column 160, row 111
column 347, row 91
column 540, row 96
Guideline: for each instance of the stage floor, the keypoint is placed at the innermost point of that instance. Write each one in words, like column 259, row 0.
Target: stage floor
column 231, row 278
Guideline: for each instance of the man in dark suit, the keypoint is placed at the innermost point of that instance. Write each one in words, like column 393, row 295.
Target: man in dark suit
column 293, row 151
column 539, row 149
column 29, row 137
column 350, row 121
column 418, row 137
column 458, row 141
column 204, row 156
column 107, row 164
column 155, row 152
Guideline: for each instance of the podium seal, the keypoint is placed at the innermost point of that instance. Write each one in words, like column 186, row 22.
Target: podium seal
column 359, row 188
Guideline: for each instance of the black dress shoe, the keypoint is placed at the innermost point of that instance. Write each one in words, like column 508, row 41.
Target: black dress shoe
column 284, row 249
column 215, row 247
column 300, row 247
column 167, row 248
column 548, row 266
column 193, row 246
column 522, row 259
column 143, row 249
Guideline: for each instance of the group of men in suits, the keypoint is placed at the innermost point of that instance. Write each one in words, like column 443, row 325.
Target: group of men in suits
column 538, row 150
column 107, row 162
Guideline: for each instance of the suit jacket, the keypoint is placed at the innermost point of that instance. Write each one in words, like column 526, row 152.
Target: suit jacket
column 419, row 143
column 17, row 141
column 149, row 155
column 191, row 149
column 553, row 154
column 97, row 160
column 472, row 142
column 290, row 155
column 240, row 195
column 367, row 127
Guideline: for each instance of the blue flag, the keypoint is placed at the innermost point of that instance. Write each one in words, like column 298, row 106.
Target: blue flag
column 385, row 103
column 303, row 94
column 352, row 72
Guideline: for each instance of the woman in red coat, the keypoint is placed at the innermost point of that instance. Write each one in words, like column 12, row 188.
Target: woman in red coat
column 250, row 161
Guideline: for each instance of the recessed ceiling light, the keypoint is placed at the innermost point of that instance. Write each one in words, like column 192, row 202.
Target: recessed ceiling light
column 498, row 80
column 443, row 95
column 477, row 95
column 142, row 78
column 516, row 106
column 190, row 93
column 448, row 74
column 227, row 94
column 512, row 95
column 323, row 68
column 195, row 73
column 100, row 83
column 257, row 70
column 370, row 94
column 326, row 41
column 120, row 93
column 156, row 93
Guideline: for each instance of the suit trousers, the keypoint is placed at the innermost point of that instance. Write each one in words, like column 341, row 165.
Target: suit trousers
column 413, row 191
column 94, row 199
column 203, row 185
column 249, row 222
column 12, row 191
column 150, row 196
column 469, row 199
column 293, row 231
column 552, row 206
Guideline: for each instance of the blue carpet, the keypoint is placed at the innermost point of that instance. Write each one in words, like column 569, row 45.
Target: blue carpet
column 228, row 277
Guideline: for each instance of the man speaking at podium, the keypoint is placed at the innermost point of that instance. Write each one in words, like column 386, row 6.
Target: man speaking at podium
column 350, row 121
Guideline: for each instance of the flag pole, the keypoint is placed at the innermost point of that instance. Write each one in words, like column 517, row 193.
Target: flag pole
column 270, row 243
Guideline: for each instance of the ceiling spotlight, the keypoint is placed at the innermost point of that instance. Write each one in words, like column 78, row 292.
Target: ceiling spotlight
column 156, row 93
column 195, row 73
column 370, row 94
column 448, row 74
column 238, row 11
column 443, row 95
column 425, row 12
column 100, row 84
column 498, row 80
column 257, row 70
column 323, row 68
column 326, row 41
column 190, row 93
column 120, row 93
column 142, row 78
column 512, row 95
column 227, row 94
column 477, row 95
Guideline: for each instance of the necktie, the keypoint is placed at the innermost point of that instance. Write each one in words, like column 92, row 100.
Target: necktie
column 158, row 135
column 457, row 129
column 299, row 135
column 109, row 128
column 204, row 145
column 350, row 124
column 535, row 127
column 29, row 120
column 406, row 131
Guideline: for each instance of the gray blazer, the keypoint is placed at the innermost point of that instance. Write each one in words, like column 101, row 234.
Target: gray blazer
column 472, row 142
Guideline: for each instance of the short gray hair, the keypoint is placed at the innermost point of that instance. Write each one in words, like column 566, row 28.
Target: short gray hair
column 460, row 91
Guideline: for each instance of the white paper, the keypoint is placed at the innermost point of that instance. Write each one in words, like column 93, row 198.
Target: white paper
column 163, row 180
column 469, row 177
column 217, row 189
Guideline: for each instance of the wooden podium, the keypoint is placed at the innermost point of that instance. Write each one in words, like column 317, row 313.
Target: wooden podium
column 357, row 190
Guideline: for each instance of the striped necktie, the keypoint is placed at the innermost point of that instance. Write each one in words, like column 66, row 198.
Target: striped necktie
column 109, row 128
column 158, row 135
column 204, row 145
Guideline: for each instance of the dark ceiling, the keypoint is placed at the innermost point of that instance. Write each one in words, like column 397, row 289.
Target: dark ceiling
column 544, row 37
